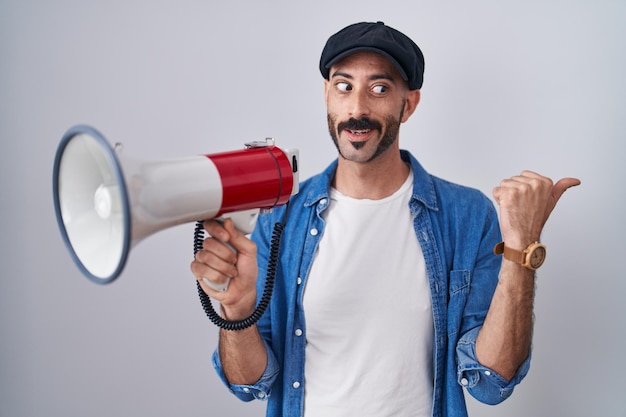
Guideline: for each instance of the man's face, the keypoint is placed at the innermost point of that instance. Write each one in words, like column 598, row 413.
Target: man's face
column 365, row 98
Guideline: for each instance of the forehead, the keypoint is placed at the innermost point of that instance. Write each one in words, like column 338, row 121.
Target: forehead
column 367, row 62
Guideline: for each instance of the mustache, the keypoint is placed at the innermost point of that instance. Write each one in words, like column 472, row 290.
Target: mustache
column 364, row 123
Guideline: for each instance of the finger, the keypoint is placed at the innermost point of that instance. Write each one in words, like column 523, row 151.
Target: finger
column 222, row 250
column 533, row 179
column 238, row 240
column 219, row 258
column 525, row 181
column 563, row 185
column 509, row 191
column 203, row 272
column 209, row 279
column 217, row 230
column 559, row 188
column 531, row 174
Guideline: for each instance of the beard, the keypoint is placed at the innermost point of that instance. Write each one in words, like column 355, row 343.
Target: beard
column 389, row 133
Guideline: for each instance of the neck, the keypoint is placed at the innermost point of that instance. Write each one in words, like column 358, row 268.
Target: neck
column 372, row 180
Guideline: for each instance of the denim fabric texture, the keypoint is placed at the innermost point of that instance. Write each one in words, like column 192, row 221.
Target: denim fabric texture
column 457, row 228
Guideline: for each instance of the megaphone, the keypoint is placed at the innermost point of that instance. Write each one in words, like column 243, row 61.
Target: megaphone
column 107, row 202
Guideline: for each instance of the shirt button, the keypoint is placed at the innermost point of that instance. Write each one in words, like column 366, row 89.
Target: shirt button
column 323, row 201
column 299, row 281
column 464, row 382
column 246, row 389
column 314, row 232
column 487, row 373
column 296, row 385
column 298, row 332
column 261, row 394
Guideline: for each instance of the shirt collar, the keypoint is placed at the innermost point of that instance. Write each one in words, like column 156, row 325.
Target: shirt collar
column 423, row 186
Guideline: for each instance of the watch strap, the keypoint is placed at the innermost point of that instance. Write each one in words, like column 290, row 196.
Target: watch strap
column 514, row 255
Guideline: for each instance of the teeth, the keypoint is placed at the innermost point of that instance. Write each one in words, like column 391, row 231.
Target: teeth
column 359, row 132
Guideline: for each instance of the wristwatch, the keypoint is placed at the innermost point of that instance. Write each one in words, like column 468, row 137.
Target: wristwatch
column 532, row 257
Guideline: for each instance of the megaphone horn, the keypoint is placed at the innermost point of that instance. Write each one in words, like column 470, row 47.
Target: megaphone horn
column 106, row 202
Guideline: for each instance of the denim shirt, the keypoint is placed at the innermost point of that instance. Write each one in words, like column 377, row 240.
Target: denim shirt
column 457, row 228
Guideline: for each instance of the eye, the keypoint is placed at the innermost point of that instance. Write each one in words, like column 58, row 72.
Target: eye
column 380, row 89
column 343, row 86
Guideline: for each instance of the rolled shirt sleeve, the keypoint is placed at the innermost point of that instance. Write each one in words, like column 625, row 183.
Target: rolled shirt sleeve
column 261, row 389
column 482, row 383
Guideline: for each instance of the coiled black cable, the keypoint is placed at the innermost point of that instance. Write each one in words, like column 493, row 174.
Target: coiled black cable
column 264, row 301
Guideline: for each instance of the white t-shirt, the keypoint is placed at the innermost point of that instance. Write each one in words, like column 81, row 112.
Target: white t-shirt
column 369, row 322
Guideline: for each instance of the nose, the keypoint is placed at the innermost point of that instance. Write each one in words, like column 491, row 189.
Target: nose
column 359, row 104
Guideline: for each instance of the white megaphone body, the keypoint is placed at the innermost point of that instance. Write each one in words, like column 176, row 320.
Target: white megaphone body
column 106, row 202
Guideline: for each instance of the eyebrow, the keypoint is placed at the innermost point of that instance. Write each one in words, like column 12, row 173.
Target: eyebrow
column 373, row 77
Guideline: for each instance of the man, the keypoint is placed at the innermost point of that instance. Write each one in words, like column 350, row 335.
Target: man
column 389, row 298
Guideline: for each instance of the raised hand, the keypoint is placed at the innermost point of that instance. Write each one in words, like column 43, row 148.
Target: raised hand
column 526, row 201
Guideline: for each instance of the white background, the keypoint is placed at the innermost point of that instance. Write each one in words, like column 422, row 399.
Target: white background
column 508, row 86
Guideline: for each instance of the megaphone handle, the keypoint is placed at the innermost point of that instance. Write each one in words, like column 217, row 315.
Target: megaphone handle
column 217, row 287
column 267, row 291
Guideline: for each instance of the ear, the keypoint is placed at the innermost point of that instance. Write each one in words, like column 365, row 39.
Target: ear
column 326, row 87
column 412, row 99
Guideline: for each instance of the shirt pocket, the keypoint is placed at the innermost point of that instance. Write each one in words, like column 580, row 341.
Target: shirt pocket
column 459, row 285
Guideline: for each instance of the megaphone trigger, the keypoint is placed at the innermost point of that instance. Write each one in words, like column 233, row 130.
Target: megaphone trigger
column 244, row 221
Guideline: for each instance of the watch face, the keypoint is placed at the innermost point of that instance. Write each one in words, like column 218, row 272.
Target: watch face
column 537, row 257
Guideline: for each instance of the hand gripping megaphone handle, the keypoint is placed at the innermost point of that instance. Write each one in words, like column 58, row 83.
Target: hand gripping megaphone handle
column 244, row 221
column 267, row 290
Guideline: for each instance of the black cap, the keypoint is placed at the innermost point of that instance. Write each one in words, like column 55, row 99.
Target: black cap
column 376, row 37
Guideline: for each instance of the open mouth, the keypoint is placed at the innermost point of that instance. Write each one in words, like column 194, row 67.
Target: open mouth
column 359, row 132
column 360, row 126
column 358, row 138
